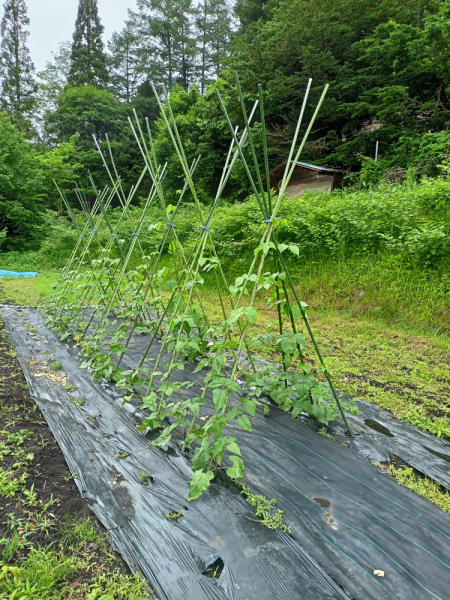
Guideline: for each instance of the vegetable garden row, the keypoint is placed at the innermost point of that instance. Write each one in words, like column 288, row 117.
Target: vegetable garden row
column 109, row 293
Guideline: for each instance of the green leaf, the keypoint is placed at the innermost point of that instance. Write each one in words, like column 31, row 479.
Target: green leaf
column 201, row 456
column 294, row 249
column 150, row 401
column 201, row 364
column 165, row 436
column 250, row 406
column 244, row 423
column 232, row 413
column 287, row 309
column 217, row 425
column 199, row 483
column 220, row 398
column 234, row 316
column 237, row 470
column 296, row 313
column 233, row 448
column 251, row 313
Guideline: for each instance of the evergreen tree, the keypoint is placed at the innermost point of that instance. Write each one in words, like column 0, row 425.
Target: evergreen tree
column 250, row 11
column 16, row 67
column 89, row 63
column 213, row 24
column 167, row 44
column 124, row 62
column 52, row 81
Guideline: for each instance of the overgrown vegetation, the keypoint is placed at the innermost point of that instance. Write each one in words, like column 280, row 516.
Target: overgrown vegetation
column 421, row 485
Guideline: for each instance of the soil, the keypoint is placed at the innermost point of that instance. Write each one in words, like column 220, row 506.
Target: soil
column 47, row 472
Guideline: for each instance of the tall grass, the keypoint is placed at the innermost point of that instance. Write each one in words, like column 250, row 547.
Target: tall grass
column 380, row 253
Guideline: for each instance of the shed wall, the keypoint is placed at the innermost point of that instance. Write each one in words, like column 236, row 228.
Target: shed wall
column 319, row 183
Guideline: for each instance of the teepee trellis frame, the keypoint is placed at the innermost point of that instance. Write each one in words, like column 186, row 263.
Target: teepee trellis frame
column 269, row 219
column 238, row 303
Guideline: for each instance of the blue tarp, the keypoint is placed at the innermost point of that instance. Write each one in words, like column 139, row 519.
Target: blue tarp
column 14, row 274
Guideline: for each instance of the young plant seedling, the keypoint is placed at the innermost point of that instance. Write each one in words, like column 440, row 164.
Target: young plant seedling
column 174, row 516
column 79, row 401
column 71, row 388
column 143, row 478
column 93, row 417
column 122, row 455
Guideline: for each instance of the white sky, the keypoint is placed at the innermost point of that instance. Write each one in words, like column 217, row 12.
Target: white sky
column 53, row 21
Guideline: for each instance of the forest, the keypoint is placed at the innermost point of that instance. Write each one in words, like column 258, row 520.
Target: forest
column 386, row 64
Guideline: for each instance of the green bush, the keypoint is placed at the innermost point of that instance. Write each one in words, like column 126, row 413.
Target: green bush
column 412, row 220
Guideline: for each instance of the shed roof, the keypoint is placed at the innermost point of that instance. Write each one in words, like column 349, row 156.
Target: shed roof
column 317, row 168
column 305, row 166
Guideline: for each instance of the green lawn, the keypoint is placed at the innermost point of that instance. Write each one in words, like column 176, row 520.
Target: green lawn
column 28, row 291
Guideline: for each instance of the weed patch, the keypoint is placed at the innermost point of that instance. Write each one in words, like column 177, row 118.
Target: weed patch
column 421, row 485
column 264, row 510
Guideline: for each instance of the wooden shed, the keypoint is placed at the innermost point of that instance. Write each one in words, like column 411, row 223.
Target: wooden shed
column 306, row 177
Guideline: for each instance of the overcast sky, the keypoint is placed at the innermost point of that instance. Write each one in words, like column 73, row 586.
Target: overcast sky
column 52, row 22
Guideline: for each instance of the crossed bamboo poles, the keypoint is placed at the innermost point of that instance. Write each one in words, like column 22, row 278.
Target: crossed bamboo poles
column 176, row 309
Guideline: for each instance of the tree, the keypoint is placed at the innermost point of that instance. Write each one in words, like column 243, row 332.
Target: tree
column 167, row 44
column 52, row 82
column 60, row 166
column 213, row 24
column 86, row 111
column 124, row 62
column 347, row 44
column 89, row 63
column 16, row 67
column 21, row 188
column 249, row 11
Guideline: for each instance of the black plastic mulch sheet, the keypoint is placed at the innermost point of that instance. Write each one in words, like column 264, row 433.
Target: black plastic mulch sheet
column 379, row 436
column 347, row 518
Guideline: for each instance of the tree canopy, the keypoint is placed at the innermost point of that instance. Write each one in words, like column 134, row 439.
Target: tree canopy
column 88, row 59
column 21, row 187
column 16, row 67
column 386, row 64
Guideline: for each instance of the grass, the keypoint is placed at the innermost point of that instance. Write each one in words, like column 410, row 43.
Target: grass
column 26, row 291
column 53, row 573
column 44, row 554
column 420, row 485
column 25, row 261
column 399, row 369
column 382, row 287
